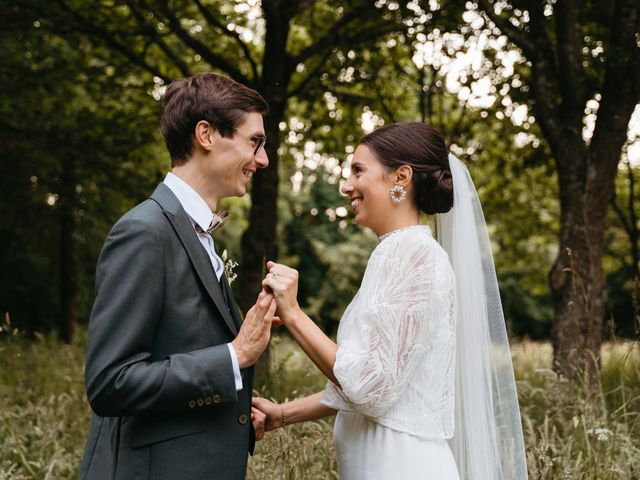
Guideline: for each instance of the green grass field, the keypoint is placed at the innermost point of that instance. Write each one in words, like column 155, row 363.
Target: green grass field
column 569, row 435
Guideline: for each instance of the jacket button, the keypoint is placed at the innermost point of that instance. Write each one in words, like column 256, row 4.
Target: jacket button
column 207, row 400
column 243, row 419
column 192, row 403
column 200, row 402
column 216, row 398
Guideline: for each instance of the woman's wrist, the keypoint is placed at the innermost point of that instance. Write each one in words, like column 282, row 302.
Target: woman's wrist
column 291, row 318
column 283, row 421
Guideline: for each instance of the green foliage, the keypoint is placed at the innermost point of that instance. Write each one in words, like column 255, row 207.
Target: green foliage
column 79, row 146
column 622, row 246
column 43, row 408
column 91, row 94
column 574, row 433
column 570, row 434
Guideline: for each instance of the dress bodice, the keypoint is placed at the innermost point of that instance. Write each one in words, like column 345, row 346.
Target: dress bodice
column 396, row 340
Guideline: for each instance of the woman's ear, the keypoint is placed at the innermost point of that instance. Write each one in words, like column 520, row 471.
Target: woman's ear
column 204, row 134
column 403, row 175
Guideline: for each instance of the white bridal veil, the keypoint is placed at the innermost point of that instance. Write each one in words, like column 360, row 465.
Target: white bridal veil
column 488, row 442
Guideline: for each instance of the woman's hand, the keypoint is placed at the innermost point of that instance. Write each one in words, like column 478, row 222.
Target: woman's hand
column 266, row 416
column 258, row 419
column 283, row 282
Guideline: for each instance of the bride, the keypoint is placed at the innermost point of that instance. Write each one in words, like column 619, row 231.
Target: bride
column 421, row 375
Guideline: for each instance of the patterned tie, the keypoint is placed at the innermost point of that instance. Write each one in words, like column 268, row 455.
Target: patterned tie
column 218, row 221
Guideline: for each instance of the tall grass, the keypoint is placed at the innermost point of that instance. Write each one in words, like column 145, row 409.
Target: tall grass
column 569, row 433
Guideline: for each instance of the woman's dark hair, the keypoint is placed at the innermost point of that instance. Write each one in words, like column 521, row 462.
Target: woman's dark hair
column 422, row 148
column 217, row 99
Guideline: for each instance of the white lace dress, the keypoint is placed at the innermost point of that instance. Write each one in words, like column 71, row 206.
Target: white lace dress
column 396, row 365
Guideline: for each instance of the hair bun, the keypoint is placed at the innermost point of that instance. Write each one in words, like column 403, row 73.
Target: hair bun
column 434, row 190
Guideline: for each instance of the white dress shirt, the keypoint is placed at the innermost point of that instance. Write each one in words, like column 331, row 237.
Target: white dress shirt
column 201, row 215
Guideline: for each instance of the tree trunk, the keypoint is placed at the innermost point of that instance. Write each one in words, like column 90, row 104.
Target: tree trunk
column 586, row 173
column 259, row 241
column 579, row 297
column 68, row 287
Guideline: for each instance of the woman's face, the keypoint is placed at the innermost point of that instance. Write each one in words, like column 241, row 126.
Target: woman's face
column 368, row 188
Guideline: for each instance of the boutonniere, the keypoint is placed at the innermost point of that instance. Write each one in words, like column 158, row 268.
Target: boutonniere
column 229, row 265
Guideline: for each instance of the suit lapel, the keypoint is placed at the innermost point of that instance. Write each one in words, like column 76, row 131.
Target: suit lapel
column 196, row 252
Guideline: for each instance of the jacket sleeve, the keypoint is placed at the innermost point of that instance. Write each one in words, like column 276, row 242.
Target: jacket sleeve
column 374, row 368
column 122, row 377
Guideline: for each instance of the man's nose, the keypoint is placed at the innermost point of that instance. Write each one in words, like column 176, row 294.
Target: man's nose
column 262, row 160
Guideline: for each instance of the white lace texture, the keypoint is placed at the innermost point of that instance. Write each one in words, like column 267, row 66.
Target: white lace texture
column 396, row 340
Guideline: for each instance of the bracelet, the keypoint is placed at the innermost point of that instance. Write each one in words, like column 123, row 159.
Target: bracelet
column 283, row 417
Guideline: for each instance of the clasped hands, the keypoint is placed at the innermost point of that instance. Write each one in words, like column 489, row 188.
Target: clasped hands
column 278, row 295
column 282, row 282
column 276, row 304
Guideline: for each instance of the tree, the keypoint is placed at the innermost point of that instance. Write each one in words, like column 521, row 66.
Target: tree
column 577, row 55
column 280, row 49
column 71, row 158
column 623, row 248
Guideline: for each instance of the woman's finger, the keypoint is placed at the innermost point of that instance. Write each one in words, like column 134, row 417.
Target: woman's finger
column 273, row 284
column 258, row 420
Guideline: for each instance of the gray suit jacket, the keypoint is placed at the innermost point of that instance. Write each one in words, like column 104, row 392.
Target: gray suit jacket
column 158, row 373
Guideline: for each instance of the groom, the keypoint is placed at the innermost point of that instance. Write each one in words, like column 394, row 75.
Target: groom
column 169, row 360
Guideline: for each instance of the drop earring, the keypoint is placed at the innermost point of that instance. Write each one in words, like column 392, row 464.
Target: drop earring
column 397, row 194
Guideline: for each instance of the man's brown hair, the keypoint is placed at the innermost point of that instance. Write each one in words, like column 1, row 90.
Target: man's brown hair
column 219, row 100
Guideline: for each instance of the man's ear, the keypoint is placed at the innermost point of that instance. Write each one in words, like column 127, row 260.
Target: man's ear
column 204, row 135
column 403, row 175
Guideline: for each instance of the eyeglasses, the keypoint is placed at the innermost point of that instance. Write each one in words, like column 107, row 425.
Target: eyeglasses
column 257, row 141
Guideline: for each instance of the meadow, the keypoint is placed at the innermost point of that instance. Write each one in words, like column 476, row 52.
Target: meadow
column 569, row 433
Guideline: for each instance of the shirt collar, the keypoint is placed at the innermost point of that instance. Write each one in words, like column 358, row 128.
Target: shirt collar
column 191, row 201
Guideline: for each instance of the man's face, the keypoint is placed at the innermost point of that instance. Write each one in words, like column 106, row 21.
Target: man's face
column 233, row 160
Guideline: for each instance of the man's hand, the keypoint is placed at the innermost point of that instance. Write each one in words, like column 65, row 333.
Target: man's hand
column 266, row 416
column 255, row 331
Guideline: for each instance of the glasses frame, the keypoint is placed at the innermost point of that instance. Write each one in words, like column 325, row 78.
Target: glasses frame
column 261, row 139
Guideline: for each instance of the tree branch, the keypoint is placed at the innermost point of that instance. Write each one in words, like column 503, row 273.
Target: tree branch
column 91, row 28
column 620, row 92
column 234, row 35
column 537, row 48
column 201, row 49
column 518, row 37
column 388, row 112
column 453, row 132
column 621, row 216
column 292, row 9
column 153, row 34
column 312, row 75
column 334, row 33
column 365, row 35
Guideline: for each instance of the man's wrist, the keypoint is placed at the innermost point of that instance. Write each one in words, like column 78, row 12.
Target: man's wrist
column 243, row 359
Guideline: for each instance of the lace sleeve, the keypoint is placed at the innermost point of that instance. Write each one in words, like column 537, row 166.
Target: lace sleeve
column 374, row 365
